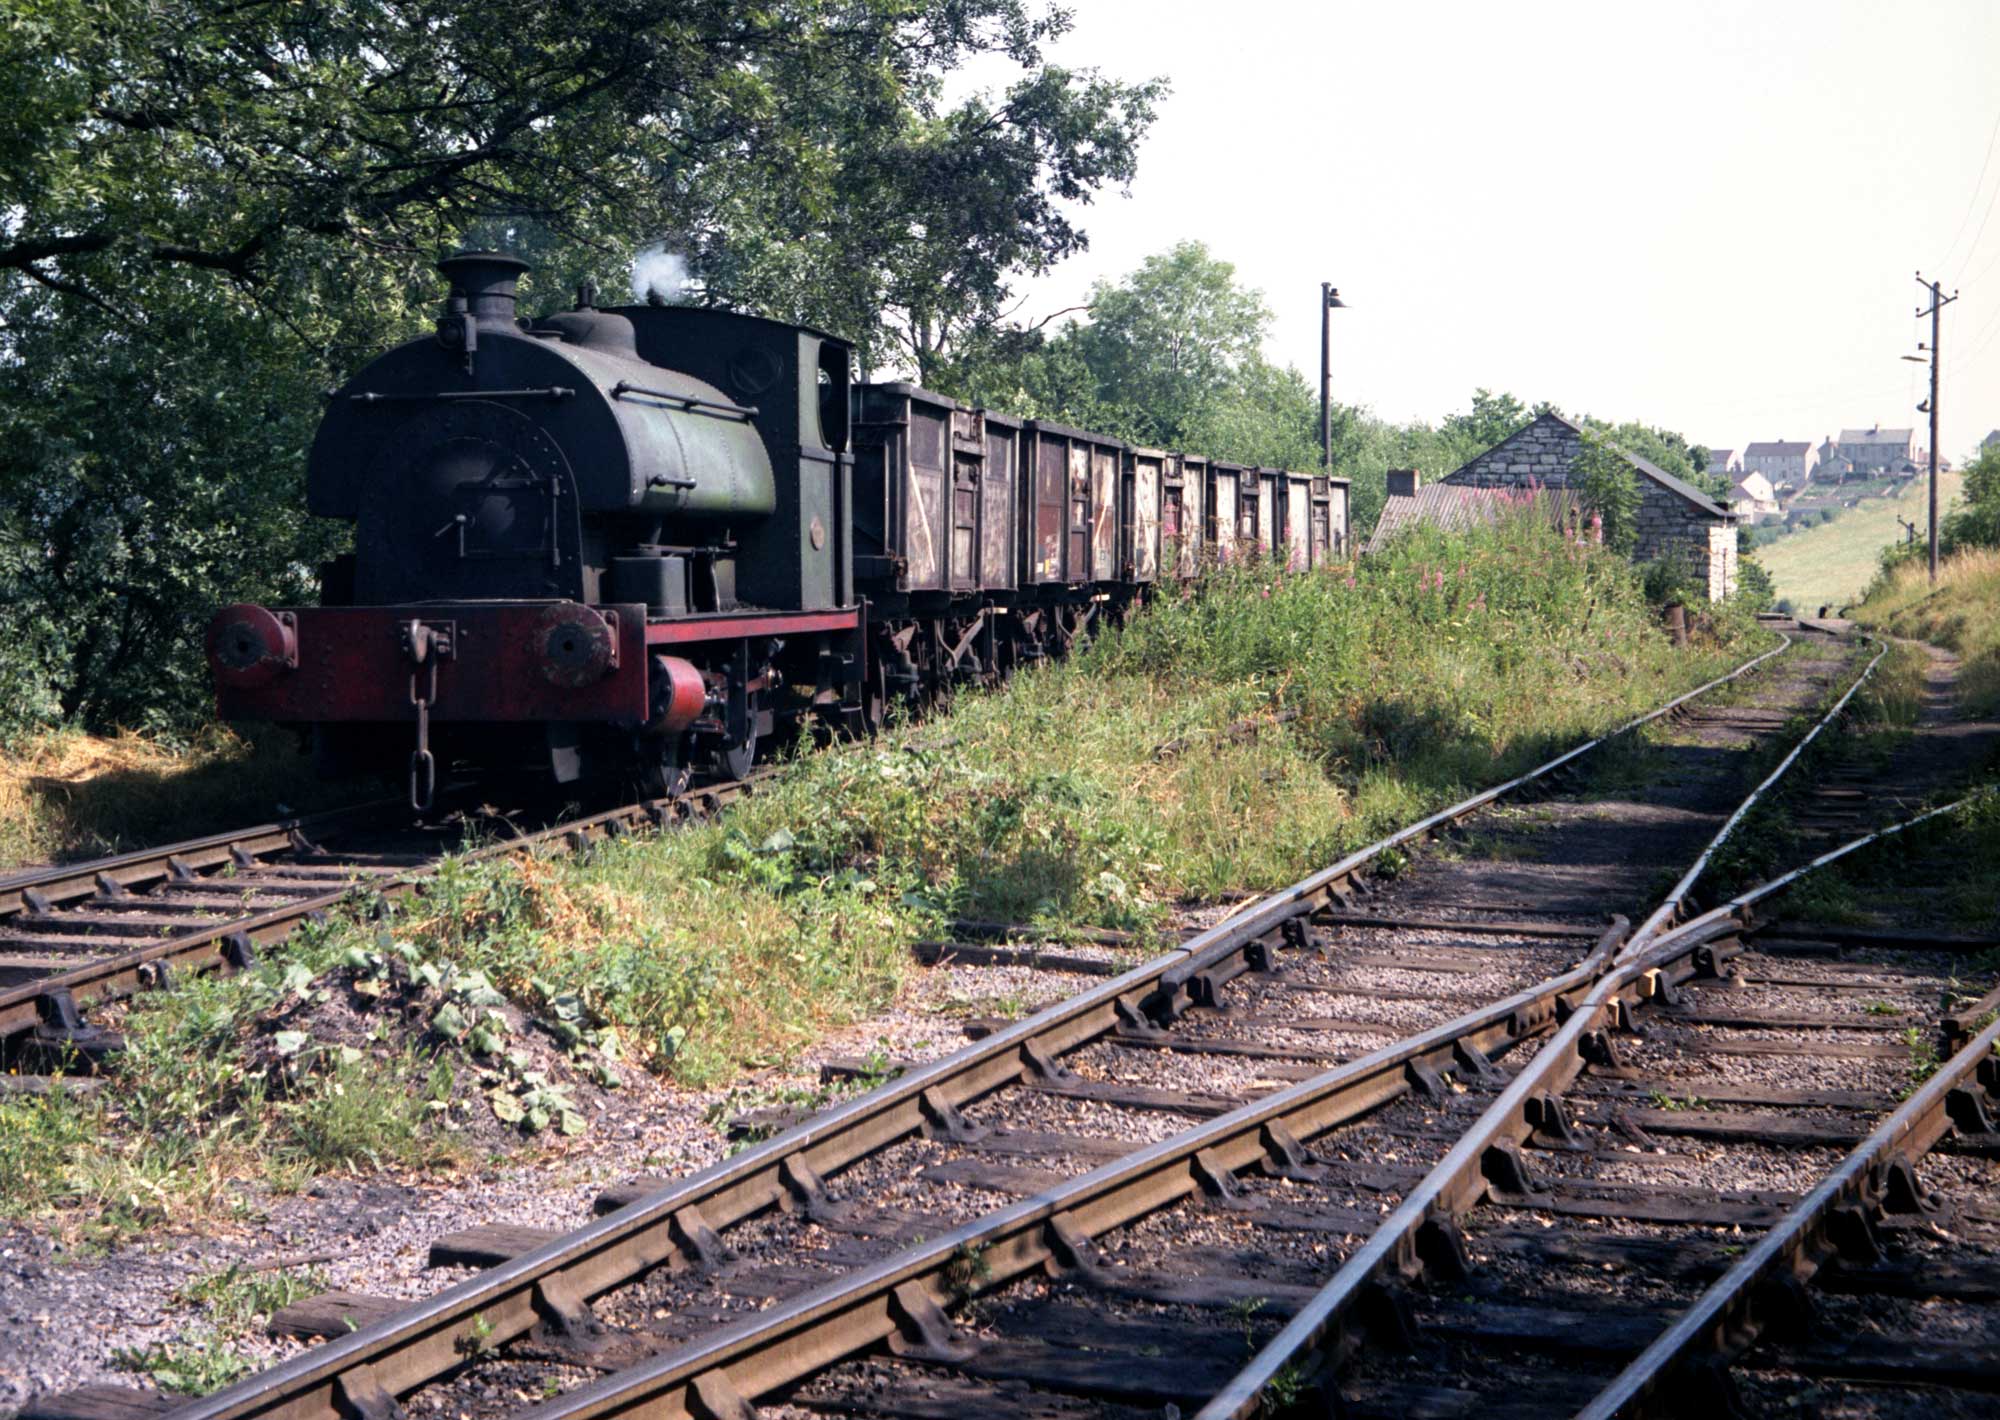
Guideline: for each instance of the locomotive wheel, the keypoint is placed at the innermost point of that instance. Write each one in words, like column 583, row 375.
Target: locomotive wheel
column 734, row 761
column 663, row 776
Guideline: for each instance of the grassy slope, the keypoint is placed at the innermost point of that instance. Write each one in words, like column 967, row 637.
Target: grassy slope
column 1439, row 667
column 1832, row 563
column 1953, row 867
column 1961, row 614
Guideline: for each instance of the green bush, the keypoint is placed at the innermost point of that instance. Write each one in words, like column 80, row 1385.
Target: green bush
column 1610, row 487
column 1670, row 580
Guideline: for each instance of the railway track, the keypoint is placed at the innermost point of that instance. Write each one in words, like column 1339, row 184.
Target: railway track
column 1587, row 1231
column 863, row 1223
column 87, row 934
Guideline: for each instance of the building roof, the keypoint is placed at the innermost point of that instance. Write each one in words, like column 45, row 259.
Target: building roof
column 1721, row 456
column 1753, row 488
column 1779, row 449
column 1660, row 476
column 1990, row 440
column 1876, row 435
column 1455, row 508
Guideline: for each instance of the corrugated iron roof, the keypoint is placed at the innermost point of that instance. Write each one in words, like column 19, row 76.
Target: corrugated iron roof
column 1456, row 508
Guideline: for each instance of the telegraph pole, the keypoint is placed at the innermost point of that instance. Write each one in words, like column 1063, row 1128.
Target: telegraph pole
column 1938, row 302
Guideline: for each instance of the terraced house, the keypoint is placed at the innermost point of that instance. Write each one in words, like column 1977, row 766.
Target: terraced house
column 1782, row 461
column 1879, row 450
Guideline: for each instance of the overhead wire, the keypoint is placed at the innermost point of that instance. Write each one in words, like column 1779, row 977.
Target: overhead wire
column 1973, row 250
column 1977, row 184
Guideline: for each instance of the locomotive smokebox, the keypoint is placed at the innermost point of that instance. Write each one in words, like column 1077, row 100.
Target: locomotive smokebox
column 483, row 285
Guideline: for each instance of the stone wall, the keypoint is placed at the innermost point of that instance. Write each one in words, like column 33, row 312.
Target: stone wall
column 1542, row 455
column 1721, row 561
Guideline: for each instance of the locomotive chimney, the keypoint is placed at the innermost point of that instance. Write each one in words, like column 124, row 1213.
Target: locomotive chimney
column 484, row 282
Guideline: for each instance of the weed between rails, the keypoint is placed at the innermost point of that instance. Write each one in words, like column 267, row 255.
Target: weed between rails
column 1432, row 669
column 237, row 1302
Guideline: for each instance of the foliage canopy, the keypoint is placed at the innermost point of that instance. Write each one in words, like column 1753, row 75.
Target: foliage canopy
column 210, row 211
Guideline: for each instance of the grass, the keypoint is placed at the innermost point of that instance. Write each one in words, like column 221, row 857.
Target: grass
column 1831, row 564
column 65, row 794
column 1427, row 672
column 1415, row 678
column 1961, row 614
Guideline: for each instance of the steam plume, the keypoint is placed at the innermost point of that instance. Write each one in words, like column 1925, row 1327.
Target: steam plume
column 659, row 276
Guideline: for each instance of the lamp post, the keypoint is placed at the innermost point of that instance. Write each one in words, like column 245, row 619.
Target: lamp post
column 1329, row 301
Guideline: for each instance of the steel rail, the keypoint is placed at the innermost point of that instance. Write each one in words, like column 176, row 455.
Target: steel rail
column 901, row 1298
column 679, row 1224
column 1459, row 1181
column 1728, row 1318
column 229, row 940
column 66, row 882
column 1669, row 909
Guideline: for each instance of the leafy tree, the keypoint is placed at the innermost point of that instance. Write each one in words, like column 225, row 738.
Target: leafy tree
column 212, row 209
column 1170, row 357
column 1665, row 449
column 1492, row 418
column 1610, row 489
column 1172, row 338
column 1976, row 520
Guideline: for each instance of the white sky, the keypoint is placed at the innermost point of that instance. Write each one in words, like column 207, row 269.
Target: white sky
column 1706, row 215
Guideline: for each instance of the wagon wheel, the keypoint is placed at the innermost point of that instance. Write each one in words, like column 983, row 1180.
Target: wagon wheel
column 875, row 696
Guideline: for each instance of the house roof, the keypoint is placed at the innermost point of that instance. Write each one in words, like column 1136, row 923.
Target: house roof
column 1781, row 448
column 1897, row 437
column 1666, row 480
column 1455, row 508
column 1659, row 475
column 1754, row 488
column 1990, row 439
column 1721, row 455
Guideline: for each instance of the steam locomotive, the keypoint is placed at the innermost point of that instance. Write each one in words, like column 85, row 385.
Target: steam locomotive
column 654, row 538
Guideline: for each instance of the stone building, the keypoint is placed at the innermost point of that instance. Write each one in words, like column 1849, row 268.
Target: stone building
column 1675, row 518
column 1725, row 462
column 1782, row 461
column 1878, row 450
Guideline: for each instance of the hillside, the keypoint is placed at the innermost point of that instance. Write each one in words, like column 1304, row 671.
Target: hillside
column 1832, row 563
